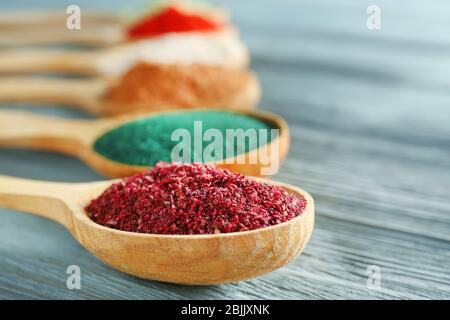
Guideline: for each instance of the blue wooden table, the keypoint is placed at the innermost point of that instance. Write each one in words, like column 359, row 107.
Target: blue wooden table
column 369, row 112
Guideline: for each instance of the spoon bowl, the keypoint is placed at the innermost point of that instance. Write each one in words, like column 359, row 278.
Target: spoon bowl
column 183, row 259
column 77, row 138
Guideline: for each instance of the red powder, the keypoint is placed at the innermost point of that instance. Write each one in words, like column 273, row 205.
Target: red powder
column 192, row 199
column 170, row 20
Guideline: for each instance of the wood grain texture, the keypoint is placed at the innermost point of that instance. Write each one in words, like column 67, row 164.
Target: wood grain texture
column 369, row 119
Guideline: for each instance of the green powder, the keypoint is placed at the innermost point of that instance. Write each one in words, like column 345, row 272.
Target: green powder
column 149, row 140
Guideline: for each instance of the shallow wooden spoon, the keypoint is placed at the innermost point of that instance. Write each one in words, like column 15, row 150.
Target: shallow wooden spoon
column 184, row 259
column 89, row 95
column 98, row 28
column 222, row 48
column 77, row 138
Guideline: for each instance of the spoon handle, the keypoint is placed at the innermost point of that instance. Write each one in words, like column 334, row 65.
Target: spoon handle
column 95, row 36
column 11, row 19
column 26, row 129
column 81, row 93
column 46, row 199
column 42, row 60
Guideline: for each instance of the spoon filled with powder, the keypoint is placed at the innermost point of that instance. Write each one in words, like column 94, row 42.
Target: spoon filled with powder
column 104, row 28
column 146, row 87
column 180, row 223
column 222, row 49
column 121, row 146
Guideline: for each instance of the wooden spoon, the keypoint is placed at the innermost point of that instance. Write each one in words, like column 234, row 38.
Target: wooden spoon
column 77, row 138
column 184, row 259
column 49, row 27
column 98, row 28
column 89, row 95
column 222, row 48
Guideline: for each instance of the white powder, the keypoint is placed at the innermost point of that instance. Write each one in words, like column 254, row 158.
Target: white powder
column 213, row 48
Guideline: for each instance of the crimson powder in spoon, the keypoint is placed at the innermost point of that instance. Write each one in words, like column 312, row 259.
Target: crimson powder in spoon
column 192, row 199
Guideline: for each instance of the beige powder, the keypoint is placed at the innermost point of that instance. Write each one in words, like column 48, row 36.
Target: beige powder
column 184, row 86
